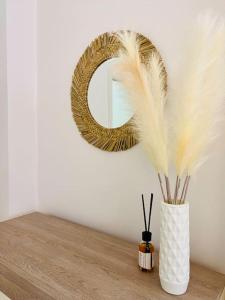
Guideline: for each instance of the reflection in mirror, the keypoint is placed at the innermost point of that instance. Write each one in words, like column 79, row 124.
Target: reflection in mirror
column 107, row 97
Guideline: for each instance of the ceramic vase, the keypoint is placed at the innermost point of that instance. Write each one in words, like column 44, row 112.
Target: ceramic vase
column 174, row 255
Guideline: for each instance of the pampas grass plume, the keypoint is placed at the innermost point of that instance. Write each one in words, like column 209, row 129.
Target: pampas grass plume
column 198, row 96
column 145, row 85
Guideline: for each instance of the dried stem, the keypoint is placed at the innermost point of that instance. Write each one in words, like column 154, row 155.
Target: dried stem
column 176, row 189
column 183, row 190
column 185, row 193
column 168, row 189
column 161, row 186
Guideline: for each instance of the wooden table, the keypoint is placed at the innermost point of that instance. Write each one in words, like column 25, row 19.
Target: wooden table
column 44, row 257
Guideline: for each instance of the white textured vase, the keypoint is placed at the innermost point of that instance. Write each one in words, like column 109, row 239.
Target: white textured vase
column 174, row 255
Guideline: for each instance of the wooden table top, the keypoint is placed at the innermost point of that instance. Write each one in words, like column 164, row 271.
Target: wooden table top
column 45, row 257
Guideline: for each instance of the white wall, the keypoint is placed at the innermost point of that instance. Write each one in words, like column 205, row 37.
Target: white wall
column 21, row 82
column 4, row 204
column 100, row 189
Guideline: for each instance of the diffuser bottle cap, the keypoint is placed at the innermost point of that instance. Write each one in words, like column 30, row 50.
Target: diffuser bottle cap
column 146, row 236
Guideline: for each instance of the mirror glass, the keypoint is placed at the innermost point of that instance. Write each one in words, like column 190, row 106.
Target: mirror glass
column 107, row 97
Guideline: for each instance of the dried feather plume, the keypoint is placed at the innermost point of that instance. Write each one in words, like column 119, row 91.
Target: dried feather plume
column 199, row 93
column 145, row 84
column 195, row 101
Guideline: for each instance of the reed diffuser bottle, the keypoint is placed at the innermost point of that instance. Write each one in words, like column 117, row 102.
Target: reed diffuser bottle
column 146, row 248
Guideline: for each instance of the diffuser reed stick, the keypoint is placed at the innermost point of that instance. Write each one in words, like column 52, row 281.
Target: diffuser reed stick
column 143, row 204
column 150, row 212
column 147, row 227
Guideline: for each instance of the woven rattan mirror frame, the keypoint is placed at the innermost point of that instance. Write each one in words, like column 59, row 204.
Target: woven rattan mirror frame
column 101, row 49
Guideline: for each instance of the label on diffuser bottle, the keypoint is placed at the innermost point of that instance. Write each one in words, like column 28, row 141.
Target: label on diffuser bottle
column 145, row 260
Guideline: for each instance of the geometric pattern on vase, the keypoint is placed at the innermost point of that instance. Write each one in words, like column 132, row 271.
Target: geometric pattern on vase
column 174, row 265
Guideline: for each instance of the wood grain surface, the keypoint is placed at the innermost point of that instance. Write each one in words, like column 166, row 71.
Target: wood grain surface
column 45, row 257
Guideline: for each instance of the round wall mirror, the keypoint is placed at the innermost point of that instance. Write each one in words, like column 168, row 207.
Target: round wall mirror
column 99, row 104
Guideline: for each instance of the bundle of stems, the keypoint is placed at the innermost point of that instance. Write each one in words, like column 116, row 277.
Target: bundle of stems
column 195, row 102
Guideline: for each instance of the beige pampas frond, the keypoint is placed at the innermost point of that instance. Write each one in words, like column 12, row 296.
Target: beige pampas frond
column 198, row 94
column 195, row 101
column 145, row 85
